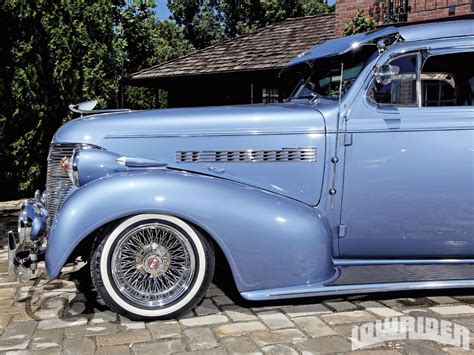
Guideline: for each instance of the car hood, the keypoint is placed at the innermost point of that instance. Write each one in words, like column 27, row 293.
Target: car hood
column 232, row 120
column 279, row 148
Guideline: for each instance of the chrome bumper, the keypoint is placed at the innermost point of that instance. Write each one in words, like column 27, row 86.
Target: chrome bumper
column 25, row 253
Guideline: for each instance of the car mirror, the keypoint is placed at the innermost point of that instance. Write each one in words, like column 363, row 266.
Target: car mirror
column 385, row 73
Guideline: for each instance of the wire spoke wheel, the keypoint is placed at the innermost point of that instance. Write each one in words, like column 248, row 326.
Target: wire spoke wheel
column 153, row 265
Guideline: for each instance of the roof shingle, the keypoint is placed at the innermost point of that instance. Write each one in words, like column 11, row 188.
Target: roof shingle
column 270, row 47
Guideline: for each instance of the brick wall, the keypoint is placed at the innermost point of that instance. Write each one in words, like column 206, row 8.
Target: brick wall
column 432, row 9
column 347, row 9
column 419, row 10
column 407, row 90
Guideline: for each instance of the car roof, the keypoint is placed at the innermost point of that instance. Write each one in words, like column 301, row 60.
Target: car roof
column 433, row 30
column 409, row 33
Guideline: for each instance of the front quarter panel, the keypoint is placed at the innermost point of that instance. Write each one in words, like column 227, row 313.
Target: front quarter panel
column 269, row 240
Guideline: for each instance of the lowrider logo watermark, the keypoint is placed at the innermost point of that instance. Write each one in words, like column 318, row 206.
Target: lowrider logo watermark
column 400, row 328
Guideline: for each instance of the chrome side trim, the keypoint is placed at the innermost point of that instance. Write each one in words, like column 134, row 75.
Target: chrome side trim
column 319, row 289
column 359, row 262
column 306, row 154
column 274, row 133
column 212, row 134
column 391, row 130
column 270, row 133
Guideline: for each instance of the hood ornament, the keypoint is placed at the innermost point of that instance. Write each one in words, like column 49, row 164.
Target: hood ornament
column 87, row 108
column 64, row 164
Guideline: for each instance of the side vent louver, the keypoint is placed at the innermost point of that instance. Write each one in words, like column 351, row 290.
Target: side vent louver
column 248, row 156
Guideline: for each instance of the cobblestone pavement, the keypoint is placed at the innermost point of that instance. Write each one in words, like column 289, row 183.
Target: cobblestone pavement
column 61, row 317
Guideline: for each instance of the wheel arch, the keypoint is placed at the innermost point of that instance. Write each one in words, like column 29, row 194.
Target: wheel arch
column 84, row 247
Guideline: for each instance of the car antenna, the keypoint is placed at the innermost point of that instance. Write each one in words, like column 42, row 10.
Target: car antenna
column 335, row 158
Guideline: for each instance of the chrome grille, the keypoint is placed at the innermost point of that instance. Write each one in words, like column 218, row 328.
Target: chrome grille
column 282, row 155
column 58, row 183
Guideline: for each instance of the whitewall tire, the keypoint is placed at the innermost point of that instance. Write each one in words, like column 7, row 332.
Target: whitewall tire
column 152, row 266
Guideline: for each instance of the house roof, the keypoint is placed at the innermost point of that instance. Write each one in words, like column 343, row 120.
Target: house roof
column 271, row 47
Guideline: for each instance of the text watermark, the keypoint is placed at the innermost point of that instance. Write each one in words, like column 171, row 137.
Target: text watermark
column 419, row 328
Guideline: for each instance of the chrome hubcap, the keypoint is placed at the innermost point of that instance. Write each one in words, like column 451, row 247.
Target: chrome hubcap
column 153, row 259
column 153, row 265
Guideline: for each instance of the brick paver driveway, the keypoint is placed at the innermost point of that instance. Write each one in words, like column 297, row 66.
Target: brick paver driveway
column 58, row 316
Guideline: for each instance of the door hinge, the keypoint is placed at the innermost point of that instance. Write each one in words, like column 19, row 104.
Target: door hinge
column 348, row 139
column 341, row 230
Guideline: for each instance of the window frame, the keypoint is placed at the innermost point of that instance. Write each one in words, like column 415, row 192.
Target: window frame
column 269, row 94
column 423, row 54
column 419, row 55
column 434, row 52
column 426, row 83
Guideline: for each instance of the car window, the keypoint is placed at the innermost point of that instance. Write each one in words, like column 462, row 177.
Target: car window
column 447, row 80
column 324, row 75
column 401, row 91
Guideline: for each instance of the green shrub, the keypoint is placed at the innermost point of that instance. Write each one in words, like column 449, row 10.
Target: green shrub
column 360, row 23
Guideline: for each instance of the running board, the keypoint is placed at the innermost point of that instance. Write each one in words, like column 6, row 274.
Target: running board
column 312, row 290
column 384, row 278
column 360, row 274
column 356, row 262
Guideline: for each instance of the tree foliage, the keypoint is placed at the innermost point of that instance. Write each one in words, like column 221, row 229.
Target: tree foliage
column 360, row 23
column 147, row 42
column 206, row 22
column 199, row 20
column 54, row 53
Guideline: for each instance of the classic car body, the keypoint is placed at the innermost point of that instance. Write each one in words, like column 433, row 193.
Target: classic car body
column 320, row 195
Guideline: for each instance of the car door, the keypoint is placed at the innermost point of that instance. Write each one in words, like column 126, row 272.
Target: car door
column 409, row 172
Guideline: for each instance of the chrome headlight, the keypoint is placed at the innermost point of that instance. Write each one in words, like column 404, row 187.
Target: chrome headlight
column 86, row 165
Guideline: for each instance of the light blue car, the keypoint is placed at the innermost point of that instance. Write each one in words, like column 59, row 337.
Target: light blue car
column 362, row 182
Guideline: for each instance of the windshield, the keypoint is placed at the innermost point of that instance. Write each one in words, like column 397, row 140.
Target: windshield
column 321, row 78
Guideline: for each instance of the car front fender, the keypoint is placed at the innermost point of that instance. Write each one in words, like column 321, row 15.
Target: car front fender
column 269, row 240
